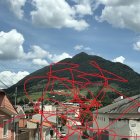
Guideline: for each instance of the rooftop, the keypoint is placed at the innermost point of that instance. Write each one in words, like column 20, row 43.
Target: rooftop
column 37, row 121
column 127, row 105
column 5, row 104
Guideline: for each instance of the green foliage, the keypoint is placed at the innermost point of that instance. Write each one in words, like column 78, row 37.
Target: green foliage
column 85, row 116
column 85, row 135
column 89, row 95
column 31, row 111
column 26, row 100
column 62, row 120
column 21, row 101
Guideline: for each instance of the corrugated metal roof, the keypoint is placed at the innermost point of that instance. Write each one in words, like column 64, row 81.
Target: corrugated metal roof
column 127, row 105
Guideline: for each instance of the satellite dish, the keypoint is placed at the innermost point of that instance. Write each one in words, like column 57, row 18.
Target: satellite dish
column 139, row 109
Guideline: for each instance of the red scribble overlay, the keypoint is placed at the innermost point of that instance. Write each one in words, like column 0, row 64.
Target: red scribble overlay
column 79, row 80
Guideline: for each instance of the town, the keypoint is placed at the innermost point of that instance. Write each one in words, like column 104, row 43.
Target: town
column 69, row 69
column 62, row 121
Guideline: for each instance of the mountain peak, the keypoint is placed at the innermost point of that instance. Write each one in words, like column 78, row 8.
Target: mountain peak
column 82, row 54
column 83, row 60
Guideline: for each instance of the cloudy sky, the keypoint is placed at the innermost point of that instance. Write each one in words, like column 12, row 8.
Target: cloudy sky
column 35, row 33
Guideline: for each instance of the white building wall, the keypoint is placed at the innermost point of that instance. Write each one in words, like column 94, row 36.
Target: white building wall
column 48, row 108
column 120, row 128
column 100, row 126
column 134, row 129
column 46, row 131
column 101, row 122
column 126, row 129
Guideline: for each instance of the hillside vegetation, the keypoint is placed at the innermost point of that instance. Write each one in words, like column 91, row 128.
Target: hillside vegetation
column 132, row 87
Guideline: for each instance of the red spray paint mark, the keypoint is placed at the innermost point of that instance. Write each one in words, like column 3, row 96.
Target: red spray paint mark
column 77, row 81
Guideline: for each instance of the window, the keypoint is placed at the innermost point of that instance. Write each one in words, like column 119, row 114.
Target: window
column 5, row 128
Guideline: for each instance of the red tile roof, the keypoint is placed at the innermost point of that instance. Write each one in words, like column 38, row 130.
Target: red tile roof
column 5, row 104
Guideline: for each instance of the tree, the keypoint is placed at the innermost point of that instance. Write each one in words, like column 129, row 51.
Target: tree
column 62, row 120
column 21, row 101
column 85, row 135
column 26, row 100
column 89, row 95
column 85, row 116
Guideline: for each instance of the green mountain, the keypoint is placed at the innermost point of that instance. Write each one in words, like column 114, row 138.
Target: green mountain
column 35, row 85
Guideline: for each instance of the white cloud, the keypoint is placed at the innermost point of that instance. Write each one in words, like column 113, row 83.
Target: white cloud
column 40, row 62
column 78, row 47
column 122, row 14
column 10, row 78
column 1, row 52
column 51, row 57
column 81, row 47
column 57, row 14
column 120, row 59
column 11, row 45
column 118, row 2
column 57, row 58
column 136, row 46
column 87, row 48
column 37, row 52
column 16, row 7
column 11, row 48
column 83, row 7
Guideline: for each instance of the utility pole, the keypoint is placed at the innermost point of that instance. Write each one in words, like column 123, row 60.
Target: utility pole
column 41, row 120
column 4, row 84
column 56, row 122
column 13, row 127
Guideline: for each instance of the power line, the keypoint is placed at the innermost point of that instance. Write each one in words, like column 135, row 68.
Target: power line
column 5, row 78
column 4, row 84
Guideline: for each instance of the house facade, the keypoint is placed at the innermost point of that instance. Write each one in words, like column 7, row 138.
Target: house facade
column 45, row 128
column 118, row 121
column 8, row 124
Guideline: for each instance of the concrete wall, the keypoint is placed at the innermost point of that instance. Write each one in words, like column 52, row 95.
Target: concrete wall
column 22, row 123
column 46, row 131
column 100, row 127
column 48, row 108
column 120, row 128
column 31, row 125
column 101, row 121
column 134, row 126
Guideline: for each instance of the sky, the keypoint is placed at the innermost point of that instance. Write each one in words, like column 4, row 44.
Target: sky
column 36, row 33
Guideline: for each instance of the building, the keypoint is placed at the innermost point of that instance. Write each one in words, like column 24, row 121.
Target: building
column 45, row 128
column 49, row 123
column 71, row 111
column 8, row 123
column 118, row 121
column 21, row 116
